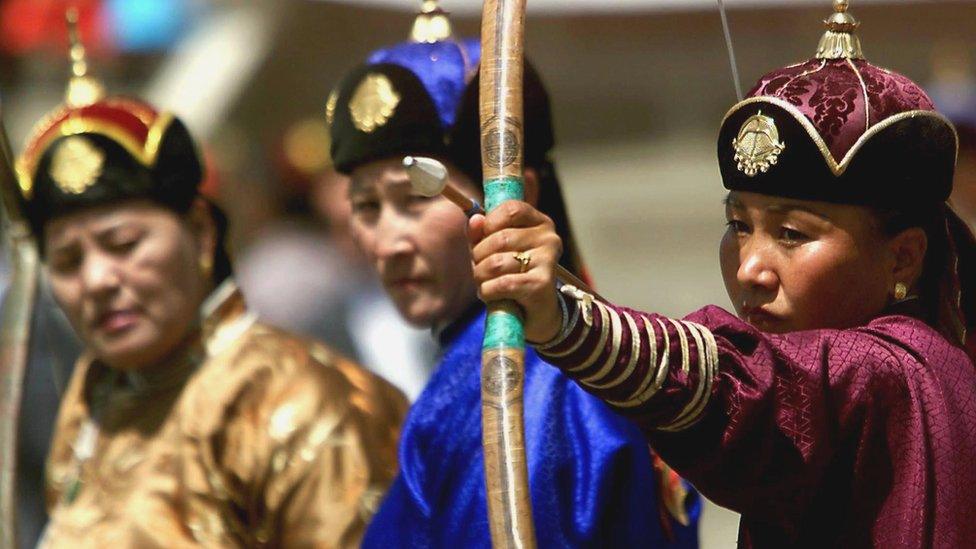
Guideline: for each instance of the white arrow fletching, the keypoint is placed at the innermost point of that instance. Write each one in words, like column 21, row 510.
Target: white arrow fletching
column 428, row 176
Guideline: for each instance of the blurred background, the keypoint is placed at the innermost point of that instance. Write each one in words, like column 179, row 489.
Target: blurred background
column 639, row 88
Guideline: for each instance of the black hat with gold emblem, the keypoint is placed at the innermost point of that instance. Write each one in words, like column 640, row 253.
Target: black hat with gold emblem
column 421, row 98
column 96, row 149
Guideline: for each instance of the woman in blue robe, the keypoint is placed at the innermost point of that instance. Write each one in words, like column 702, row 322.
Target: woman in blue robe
column 591, row 473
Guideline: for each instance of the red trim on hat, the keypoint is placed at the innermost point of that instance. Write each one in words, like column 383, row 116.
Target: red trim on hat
column 134, row 125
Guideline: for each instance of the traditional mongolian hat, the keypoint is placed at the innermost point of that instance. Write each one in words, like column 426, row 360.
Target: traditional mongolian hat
column 838, row 129
column 95, row 149
column 421, row 98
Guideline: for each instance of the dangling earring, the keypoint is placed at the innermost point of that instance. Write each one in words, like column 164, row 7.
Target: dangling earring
column 206, row 267
column 901, row 291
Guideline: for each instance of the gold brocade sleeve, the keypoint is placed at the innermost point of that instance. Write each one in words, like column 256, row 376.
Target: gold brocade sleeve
column 249, row 437
column 305, row 448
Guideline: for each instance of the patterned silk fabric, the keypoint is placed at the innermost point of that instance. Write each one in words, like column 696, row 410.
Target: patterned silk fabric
column 591, row 473
column 843, row 97
column 854, row 438
column 254, row 438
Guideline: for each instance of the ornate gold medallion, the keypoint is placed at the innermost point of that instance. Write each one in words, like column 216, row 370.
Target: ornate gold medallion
column 757, row 148
column 330, row 107
column 77, row 165
column 373, row 103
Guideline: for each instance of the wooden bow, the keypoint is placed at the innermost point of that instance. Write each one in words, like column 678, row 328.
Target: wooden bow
column 16, row 313
column 503, row 352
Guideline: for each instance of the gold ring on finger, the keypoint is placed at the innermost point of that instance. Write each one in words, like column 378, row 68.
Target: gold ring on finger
column 524, row 258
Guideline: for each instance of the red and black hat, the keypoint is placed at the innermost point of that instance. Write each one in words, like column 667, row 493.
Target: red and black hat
column 113, row 149
column 839, row 129
column 96, row 149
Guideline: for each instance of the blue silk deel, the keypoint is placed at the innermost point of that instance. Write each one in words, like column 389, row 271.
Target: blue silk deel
column 592, row 479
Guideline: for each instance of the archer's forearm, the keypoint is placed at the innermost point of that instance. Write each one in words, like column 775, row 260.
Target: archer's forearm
column 655, row 369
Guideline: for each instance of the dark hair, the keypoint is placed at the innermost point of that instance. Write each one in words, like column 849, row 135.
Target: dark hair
column 222, row 267
column 932, row 220
column 552, row 204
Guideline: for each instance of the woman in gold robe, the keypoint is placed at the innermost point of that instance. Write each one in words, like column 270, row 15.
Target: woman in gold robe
column 187, row 422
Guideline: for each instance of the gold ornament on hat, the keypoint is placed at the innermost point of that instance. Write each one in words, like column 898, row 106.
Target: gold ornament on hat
column 432, row 24
column 757, row 148
column 373, row 103
column 76, row 165
column 840, row 41
column 83, row 89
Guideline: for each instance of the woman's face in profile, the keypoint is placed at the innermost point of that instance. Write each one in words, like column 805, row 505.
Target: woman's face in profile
column 129, row 279
column 791, row 265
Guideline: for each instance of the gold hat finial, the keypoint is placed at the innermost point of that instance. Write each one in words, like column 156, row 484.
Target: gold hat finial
column 82, row 88
column 840, row 41
column 432, row 24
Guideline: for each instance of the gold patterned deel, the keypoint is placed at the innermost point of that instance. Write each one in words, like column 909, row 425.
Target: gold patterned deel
column 757, row 148
column 77, row 165
column 373, row 103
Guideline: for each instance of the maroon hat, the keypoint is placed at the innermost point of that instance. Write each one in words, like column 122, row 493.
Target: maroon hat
column 839, row 129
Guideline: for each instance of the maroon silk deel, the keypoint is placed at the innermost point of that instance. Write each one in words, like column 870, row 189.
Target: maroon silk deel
column 863, row 437
column 830, row 438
